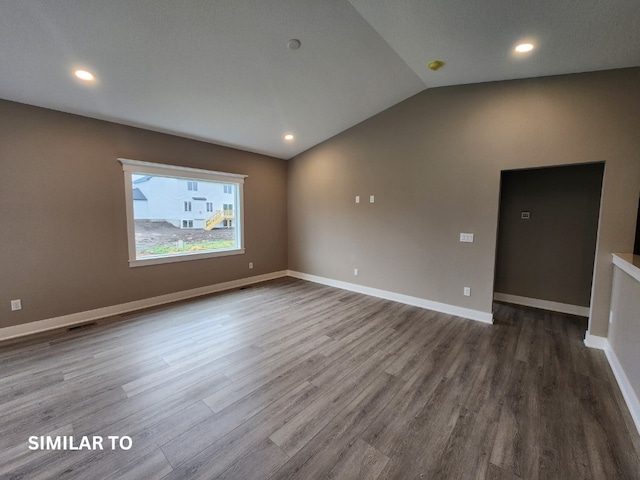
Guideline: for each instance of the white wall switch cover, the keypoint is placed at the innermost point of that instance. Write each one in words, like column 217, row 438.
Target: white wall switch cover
column 371, row 198
column 357, row 198
column 355, row 272
column 467, row 291
column 466, row 237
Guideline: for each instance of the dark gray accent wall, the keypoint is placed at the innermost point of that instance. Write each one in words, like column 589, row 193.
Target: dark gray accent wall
column 550, row 255
column 63, row 237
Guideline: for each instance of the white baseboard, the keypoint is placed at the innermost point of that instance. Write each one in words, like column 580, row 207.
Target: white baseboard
column 630, row 396
column 542, row 304
column 91, row 315
column 593, row 341
column 16, row 331
column 398, row 297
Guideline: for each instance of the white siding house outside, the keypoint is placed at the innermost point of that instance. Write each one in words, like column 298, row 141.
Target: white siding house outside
column 181, row 202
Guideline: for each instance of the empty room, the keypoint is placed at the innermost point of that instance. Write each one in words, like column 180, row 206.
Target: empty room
column 350, row 239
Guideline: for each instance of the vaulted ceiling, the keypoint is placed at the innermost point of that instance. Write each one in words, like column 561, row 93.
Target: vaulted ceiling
column 221, row 70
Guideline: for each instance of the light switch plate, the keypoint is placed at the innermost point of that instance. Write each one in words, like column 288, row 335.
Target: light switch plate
column 466, row 237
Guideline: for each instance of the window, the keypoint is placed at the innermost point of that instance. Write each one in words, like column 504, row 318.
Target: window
column 228, row 189
column 155, row 226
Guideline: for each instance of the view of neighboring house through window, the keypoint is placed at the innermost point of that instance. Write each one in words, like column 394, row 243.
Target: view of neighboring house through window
column 228, row 210
column 176, row 213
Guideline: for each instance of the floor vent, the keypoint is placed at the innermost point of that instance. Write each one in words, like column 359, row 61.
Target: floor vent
column 84, row 325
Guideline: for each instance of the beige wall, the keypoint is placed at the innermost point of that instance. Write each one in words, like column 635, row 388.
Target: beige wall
column 550, row 255
column 434, row 163
column 62, row 214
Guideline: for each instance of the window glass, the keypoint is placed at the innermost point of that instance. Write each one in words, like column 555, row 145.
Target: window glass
column 169, row 221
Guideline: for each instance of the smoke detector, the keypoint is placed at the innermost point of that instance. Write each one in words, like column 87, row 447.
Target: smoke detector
column 294, row 44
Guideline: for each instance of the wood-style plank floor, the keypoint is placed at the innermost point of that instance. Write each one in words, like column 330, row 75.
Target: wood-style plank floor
column 293, row 380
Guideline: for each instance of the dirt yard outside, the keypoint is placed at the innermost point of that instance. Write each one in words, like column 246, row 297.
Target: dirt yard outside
column 161, row 238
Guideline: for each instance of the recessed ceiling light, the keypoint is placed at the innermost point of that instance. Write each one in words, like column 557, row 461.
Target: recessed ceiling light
column 288, row 137
column 84, row 75
column 524, row 47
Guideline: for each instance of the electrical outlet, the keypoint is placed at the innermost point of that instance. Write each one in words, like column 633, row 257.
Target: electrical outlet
column 250, row 265
column 372, row 198
column 355, row 272
column 467, row 291
column 16, row 305
column 357, row 198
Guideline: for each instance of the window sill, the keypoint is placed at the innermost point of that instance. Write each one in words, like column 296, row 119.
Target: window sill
column 183, row 258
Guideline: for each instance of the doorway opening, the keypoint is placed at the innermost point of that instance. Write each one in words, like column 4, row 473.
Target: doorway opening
column 547, row 232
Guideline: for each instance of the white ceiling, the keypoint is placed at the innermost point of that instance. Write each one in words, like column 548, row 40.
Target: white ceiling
column 220, row 70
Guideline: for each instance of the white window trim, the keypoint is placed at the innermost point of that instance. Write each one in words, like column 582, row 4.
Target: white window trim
column 136, row 166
